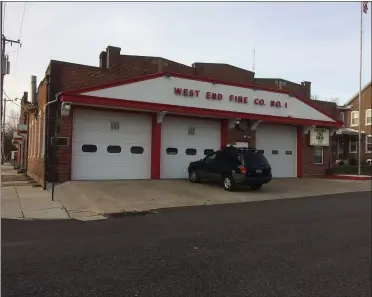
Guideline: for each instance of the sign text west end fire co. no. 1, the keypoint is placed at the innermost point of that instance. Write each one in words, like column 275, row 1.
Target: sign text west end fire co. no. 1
column 232, row 98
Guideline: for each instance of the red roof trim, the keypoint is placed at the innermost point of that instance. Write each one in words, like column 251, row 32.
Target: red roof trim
column 120, row 103
column 198, row 78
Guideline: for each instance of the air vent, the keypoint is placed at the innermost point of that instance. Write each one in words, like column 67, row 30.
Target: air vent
column 114, row 126
column 191, row 131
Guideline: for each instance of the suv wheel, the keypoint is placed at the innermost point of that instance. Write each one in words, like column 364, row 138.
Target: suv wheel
column 256, row 187
column 194, row 176
column 228, row 183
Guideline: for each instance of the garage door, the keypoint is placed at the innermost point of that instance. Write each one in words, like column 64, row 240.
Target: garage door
column 185, row 140
column 278, row 144
column 110, row 145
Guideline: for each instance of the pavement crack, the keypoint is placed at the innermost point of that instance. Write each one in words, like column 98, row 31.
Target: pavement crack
column 19, row 201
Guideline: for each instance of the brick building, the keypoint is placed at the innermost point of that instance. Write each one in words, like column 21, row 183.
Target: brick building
column 346, row 141
column 297, row 120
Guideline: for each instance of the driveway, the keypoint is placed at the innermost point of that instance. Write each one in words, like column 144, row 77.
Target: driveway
column 85, row 198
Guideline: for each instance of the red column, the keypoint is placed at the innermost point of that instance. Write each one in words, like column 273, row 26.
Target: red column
column 224, row 128
column 299, row 151
column 155, row 148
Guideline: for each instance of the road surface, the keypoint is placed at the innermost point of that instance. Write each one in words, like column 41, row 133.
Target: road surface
column 319, row 246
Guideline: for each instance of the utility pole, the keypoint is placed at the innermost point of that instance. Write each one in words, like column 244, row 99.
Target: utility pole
column 5, row 69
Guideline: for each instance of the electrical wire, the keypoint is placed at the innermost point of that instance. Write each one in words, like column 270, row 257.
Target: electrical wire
column 19, row 36
column 3, row 16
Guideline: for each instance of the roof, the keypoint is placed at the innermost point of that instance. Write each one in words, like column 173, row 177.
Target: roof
column 355, row 95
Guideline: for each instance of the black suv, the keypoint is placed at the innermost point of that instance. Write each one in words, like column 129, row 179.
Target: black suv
column 232, row 166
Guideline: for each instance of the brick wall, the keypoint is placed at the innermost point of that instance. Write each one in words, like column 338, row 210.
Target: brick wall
column 115, row 67
column 35, row 159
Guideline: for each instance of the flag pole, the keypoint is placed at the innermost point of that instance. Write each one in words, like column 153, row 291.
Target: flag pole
column 360, row 88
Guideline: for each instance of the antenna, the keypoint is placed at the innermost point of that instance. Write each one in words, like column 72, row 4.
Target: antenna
column 254, row 57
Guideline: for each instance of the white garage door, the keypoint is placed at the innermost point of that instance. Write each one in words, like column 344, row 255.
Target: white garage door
column 278, row 144
column 110, row 145
column 185, row 140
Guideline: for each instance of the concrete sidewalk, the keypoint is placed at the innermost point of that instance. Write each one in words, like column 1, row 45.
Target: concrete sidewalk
column 21, row 199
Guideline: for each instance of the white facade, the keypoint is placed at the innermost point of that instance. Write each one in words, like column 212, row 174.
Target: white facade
column 110, row 145
column 278, row 144
column 197, row 94
column 185, row 140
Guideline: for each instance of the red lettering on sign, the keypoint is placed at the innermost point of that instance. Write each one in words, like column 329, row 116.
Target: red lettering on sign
column 231, row 97
column 238, row 99
column 259, row 101
column 285, row 105
column 219, row 96
column 186, row 92
column 208, row 95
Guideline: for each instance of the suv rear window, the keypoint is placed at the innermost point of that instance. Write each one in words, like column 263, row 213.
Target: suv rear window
column 254, row 159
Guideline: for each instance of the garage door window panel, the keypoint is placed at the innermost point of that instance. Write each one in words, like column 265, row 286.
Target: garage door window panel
column 172, row 151
column 318, row 155
column 137, row 150
column 114, row 149
column 208, row 152
column 191, row 152
column 89, row 148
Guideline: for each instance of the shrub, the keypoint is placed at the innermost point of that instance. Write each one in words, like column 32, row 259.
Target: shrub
column 352, row 161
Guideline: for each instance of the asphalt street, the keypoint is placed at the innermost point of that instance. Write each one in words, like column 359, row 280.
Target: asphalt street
column 319, row 246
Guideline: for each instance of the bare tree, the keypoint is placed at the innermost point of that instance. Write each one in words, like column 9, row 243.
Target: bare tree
column 314, row 97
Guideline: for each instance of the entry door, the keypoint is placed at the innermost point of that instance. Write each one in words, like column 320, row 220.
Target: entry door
column 278, row 144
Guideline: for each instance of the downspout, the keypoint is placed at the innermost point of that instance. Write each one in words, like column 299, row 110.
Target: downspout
column 46, row 140
column 45, row 131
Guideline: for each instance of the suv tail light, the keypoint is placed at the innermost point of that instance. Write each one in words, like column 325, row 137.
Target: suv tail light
column 242, row 169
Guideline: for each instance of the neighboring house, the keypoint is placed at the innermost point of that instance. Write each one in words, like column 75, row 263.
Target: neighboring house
column 302, row 159
column 351, row 115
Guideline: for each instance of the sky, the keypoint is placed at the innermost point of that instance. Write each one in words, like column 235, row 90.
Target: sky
column 295, row 41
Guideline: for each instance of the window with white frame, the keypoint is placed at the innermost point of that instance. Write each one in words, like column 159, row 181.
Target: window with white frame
column 353, row 144
column 354, row 118
column 342, row 116
column 368, row 143
column 318, row 155
column 368, row 116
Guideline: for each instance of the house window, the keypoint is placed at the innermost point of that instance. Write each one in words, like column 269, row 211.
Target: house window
column 171, row 151
column 342, row 116
column 318, row 155
column 353, row 144
column 354, row 118
column 368, row 116
column 368, row 143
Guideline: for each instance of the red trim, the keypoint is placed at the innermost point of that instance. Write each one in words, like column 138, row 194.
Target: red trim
column 121, row 103
column 155, row 148
column 299, row 151
column 202, row 79
column 347, row 177
column 224, row 128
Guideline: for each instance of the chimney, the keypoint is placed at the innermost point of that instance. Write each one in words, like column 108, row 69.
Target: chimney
column 113, row 56
column 307, row 86
column 25, row 97
column 33, row 89
column 103, row 60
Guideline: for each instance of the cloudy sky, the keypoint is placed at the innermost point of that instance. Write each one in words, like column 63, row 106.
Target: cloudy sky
column 313, row 41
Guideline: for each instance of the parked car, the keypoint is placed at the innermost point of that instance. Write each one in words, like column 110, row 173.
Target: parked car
column 232, row 166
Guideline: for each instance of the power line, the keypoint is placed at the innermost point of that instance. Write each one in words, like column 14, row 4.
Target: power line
column 19, row 37
column 3, row 16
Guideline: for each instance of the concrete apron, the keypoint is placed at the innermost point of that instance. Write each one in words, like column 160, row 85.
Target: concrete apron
column 94, row 198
